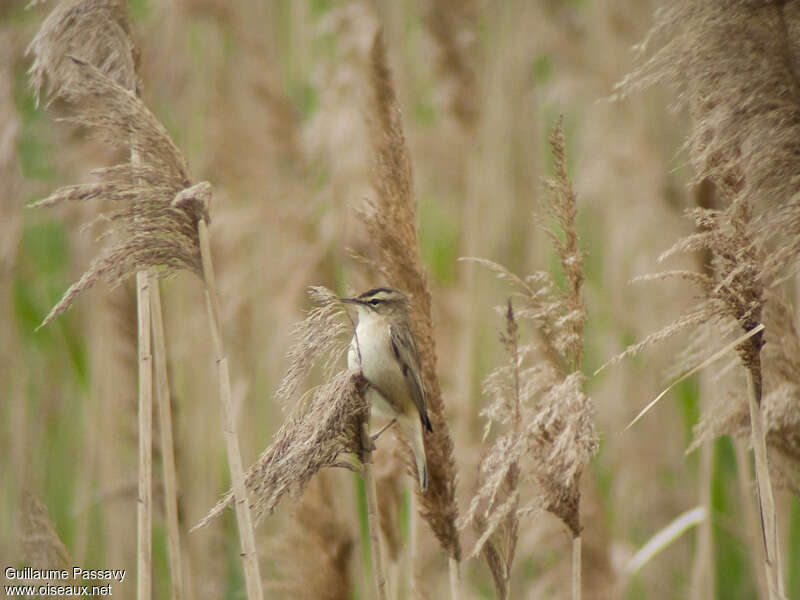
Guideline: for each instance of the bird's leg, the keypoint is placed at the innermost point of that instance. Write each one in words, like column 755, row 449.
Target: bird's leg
column 374, row 437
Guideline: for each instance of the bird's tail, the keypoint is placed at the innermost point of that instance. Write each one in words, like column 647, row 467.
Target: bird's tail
column 412, row 427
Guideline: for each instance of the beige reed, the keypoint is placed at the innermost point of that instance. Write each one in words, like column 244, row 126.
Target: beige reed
column 537, row 400
column 390, row 219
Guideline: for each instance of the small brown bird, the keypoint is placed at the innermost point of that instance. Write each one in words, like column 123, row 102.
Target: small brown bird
column 384, row 348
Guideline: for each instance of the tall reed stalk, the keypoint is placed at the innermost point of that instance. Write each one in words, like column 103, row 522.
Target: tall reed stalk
column 752, row 523
column 576, row 568
column 144, row 505
column 373, row 520
column 158, row 220
column 745, row 143
column 244, row 519
column 390, row 218
column 766, row 500
column 99, row 31
column 546, row 419
column 167, row 445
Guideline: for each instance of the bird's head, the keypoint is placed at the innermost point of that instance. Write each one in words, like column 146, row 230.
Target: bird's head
column 379, row 301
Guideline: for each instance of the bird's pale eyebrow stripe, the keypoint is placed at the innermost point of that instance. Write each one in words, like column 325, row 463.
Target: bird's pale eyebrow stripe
column 374, row 291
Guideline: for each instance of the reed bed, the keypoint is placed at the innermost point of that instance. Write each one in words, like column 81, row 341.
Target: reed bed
column 350, row 145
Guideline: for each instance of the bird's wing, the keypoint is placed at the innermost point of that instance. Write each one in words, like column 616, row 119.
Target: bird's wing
column 405, row 351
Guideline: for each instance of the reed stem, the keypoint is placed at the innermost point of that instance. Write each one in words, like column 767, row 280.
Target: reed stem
column 244, row 519
column 702, row 581
column 167, row 447
column 144, row 506
column 576, row 568
column 751, row 519
column 378, row 574
column 455, row 579
column 766, row 501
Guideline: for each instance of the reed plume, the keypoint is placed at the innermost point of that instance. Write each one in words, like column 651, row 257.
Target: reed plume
column 735, row 69
column 732, row 299
column 549, row 434
column 729, row 414
column 95, row 31
column 494, row 511
column 159, row 222
column 390, row 219
column 314, row 437
column 40, row 547
column 153, row 218
column 323, row 430
column 323, row 424
column 100, row 31
column 745, row 107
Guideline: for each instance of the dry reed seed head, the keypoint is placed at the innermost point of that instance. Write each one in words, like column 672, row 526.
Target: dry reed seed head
column 556, row 442
column 154, row 208
column 493, row 509
column 558, row 314
column 737, row 289
column 390, row 219
column 95, row 31
column 733, row 65
column 314, row 437
column 499, row 532
column 780, row 358
column 568, row 338
column 117, row 117
column 563, row 435
column 552, row 437
column 41, row 547
column 318, row 336
column 738, row 262
column 496, row 502
column 782, row 392
column 322, row 426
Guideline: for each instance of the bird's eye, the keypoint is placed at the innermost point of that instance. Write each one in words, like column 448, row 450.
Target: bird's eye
column 374, row 301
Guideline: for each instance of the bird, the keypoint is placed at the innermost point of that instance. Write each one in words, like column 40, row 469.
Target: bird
column 383, row 347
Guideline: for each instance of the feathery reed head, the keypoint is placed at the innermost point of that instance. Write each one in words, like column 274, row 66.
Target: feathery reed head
column 154, row 209
column 729, row 414
column 568, row 339
column 734, row 290
column 314, row 437
column 316, row 338
column 322, row 427
column 550, row 433
column 732, row 66
column 94, row 31
column 41, row 547
column 390, row 219
column 493, row 511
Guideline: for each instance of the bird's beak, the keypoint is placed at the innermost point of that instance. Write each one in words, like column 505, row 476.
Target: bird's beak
column 349, row 301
